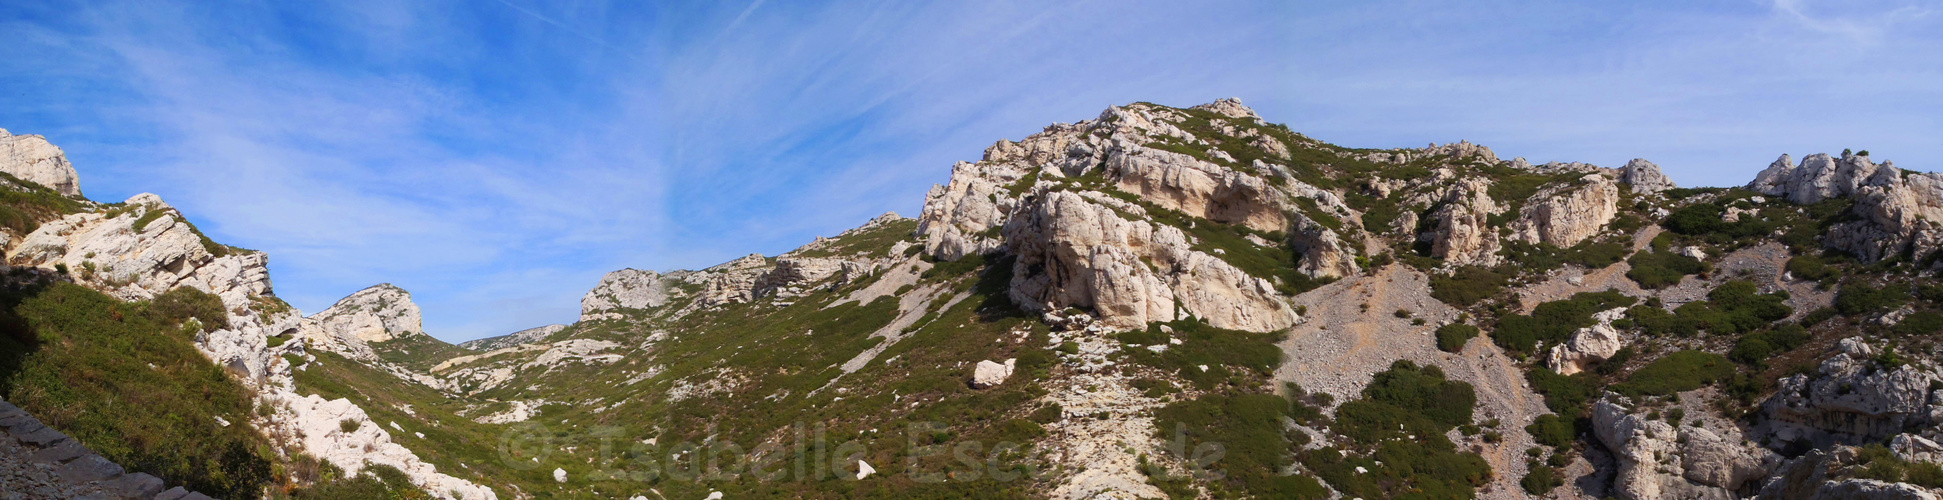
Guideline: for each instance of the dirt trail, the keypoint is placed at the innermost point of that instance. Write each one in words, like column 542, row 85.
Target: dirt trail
column 1341, row 345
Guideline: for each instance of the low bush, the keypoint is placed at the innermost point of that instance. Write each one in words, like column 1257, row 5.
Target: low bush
column 1553, row 431
column 1920, row 323
column 1677, row 372
column 1400, row 423
column 1452, row 337
column 1250, row 428
column 1541, row 479
column 1468, row 285
column 1860, row 298
column 1554, row 321
column 1656, row 270
column 1755, row 348
column 1564, row 395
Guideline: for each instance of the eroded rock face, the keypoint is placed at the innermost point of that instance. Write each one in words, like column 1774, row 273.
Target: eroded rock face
column 624, row 289
column 376, row 314
column 1851, row 399
column 1073, row 252
column 33, row 159
column 1594, row 343
column 521, row 337
column 317, row 424
column 1464, row 236
column 113, row 255
column 1657, row 460
column 1568, row 214
column 1644, row 177
column 1899, row 214
column 1807, row 478
column 792, row 275
column 1818, row 177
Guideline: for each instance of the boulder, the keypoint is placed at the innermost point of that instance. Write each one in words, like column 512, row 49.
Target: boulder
column 1644, row 177
column 1594, row 343
column 1852, row 399
column 989, row 374
column 1564, row 215
column 1463, row 235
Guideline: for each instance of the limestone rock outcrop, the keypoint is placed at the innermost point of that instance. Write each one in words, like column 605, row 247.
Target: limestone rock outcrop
column 1463, row 234
column 1593, row 343
column 318, row 424
column 1657, row 460
column 377, row 314
column 1564, row 215
column 1809, row 477
column 521, row 337
column 1899, row 214
column 624, row 289
column 1644, row 177
column 1073, row 252
column 31, row 158
column 1818, row 177
column 1852, row 399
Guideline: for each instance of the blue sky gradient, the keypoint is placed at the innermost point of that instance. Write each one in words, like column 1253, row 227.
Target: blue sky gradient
column 495, row 157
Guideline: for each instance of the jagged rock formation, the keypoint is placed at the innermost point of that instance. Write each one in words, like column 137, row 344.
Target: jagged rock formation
column 1818, row 177
column 1463, row 234
column 1644, row 177
column 144, row 248
column 624, row 289
column 1852, row 399
column 1658, row 460
column 1593, row 343
column 377, row 314
column 1568, row 214
column 33, row 159
column 521, row 337
column 1900, row 215
column 1808, row 478
column 319, row 425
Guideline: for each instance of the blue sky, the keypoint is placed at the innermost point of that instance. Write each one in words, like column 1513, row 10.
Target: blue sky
column 495, row 157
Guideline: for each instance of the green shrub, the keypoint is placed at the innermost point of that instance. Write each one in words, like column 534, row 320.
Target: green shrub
column 1554, row 321
column 1656, row 270
column 182, row 303
column 131, row 388
column 1860, row 298
column 1920, row 323
column 1541, row 479
column 1564, row 395
column 1250, row 427
column 1756, row 348
column 349, row 425
column 1552, row 430
column 1468, row 285
column 1400, row 421
column 1452, row 337
column 1809, row 267
column 1677, row 372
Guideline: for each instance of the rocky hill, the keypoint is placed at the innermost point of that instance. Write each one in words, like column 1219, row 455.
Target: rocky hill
column 1157, row 302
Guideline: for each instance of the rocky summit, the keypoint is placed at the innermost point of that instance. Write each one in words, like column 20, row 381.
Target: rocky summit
column 1154, row 302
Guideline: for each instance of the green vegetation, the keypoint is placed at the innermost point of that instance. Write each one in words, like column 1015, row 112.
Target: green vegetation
column 1398, row 426
column 1565, row 395
column 1249, row 427
column 1920, row 323
column 126, row 380
column 1542, row 257
column 1755, row 348
column 1452, row 337
column 1553, row 430
column 1661, row 269
column 1677, row 372
column 1541, row 479
column 1216, row 348
column 1875, row 461
column 1860, row 298
column 24, row 204
column 1469, row 285
column 376, row 482
column 1554, row 321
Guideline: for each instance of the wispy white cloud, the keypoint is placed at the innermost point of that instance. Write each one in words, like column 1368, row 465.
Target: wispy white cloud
column 497, row 157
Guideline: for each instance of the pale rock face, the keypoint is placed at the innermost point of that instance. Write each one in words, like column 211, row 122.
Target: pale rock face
column 733, row 282
column 166, row 254
column 1567, row 215
column 521, row 337
column 1899, row 213
column 1644, row 177
column 1851, row 400
column 791, row 273
column 315, row 422
column 1659, row 461
column 1916, row 448
column 1597, row 342
column 1464, row 237
column 1818, row 177
column 989, row 374
column 376, row 314
column 958, row 216
column 624, row 289
column 1231, row 107
column 33, row 159
column 1076, row 253
column 1807, row 478
column 1201, row 189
